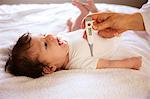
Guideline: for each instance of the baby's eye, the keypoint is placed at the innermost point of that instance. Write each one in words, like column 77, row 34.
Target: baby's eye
column 44, row 35
column 45, row 44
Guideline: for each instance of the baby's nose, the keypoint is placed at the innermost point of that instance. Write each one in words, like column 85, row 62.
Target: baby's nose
column 50, row 37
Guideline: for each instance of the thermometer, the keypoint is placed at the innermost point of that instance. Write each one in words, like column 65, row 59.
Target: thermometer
column 89, row 33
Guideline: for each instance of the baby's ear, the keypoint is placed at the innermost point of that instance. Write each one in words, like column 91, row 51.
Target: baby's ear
column 49, row 69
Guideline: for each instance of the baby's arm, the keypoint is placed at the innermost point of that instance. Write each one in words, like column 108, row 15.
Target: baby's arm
column 132, row 63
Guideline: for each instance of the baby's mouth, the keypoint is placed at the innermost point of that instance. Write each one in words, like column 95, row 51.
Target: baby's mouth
column 60, row 41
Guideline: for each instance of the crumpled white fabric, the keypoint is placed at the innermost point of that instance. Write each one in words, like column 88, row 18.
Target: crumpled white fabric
column 145, row 11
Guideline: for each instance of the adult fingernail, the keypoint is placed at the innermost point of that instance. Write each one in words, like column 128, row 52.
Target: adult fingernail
column 94, row 27
column 84, row 35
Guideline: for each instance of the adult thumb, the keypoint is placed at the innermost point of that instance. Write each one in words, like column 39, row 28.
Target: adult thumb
column 102, row 25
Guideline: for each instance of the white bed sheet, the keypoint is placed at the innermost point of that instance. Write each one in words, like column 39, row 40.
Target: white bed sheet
column 68, row 84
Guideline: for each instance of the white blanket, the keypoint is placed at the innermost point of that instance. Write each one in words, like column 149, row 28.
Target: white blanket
column 68, row 84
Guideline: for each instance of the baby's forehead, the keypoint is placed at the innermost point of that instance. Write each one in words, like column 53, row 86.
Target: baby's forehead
column 36, row 37
column 35, row 45
column 35, row 41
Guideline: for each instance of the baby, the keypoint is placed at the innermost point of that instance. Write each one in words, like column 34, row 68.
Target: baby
column 35, row 56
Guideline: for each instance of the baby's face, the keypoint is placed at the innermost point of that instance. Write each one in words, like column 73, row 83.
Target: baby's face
column 49, row 50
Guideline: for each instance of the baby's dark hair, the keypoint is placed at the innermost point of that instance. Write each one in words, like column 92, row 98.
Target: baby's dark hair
column 19, row 62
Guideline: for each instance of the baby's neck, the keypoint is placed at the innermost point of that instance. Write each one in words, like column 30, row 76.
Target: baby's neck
column 66, row 62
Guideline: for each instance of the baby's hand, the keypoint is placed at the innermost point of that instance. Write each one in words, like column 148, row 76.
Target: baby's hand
column 135, row 62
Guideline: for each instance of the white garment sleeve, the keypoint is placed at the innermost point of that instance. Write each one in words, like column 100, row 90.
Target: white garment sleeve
column 145, row 11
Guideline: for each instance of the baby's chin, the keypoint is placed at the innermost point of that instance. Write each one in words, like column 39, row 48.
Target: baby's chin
column 67, row 46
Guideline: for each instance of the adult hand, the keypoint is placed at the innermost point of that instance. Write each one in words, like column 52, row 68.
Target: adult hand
column 110, row 24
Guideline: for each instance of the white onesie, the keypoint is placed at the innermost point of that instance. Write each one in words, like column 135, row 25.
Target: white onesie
column 127, row 45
